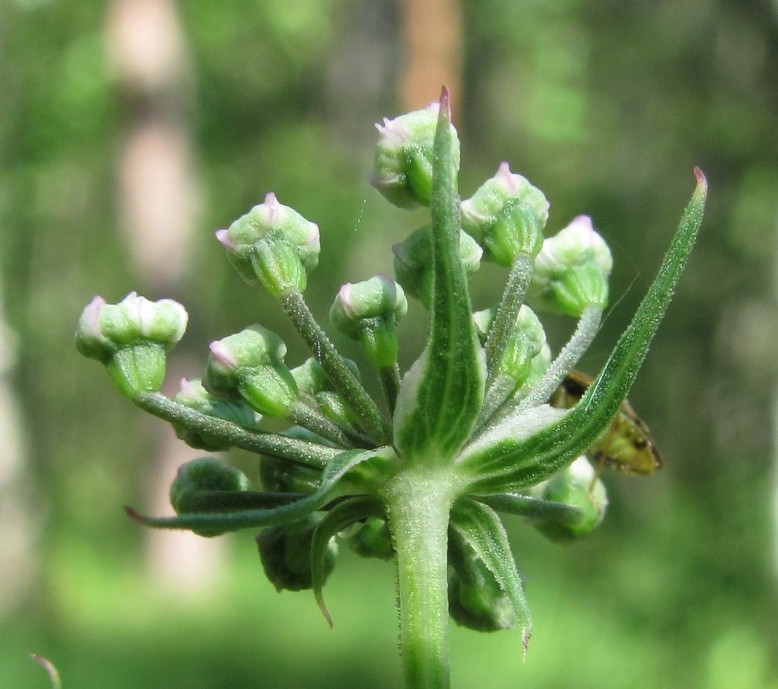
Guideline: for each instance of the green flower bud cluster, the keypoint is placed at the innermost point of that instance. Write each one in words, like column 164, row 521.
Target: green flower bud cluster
column 194, row 396
column 368, row 311
column 274, row 245
column 251, row 365
column 576, row 486
column 572, row 270
column 506, row 216
column 373, row 539
column 202, row 485
column 527, row 354
column 285, row 553
column 279, row 476
column 413, row 264
column 404, row 157
column 475, row 598
column 312, row 380
column 131, row 338
column 472, row 428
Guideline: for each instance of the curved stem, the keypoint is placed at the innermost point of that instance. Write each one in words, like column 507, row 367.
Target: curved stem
column 313, row 420
column 51, row 671
column 588, row 326
column 534, row 508
column 507, row 312
column 389, row 378
column 294, row 450
column 418, row 508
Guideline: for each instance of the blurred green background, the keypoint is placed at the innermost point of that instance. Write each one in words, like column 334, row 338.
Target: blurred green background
column 131, row 130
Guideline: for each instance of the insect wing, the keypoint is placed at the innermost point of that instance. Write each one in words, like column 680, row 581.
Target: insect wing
column 626, row 445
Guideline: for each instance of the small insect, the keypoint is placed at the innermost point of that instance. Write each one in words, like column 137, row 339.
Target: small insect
column 627, row 444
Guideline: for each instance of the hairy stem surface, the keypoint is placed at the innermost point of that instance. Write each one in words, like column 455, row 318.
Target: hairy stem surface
column 418, row 509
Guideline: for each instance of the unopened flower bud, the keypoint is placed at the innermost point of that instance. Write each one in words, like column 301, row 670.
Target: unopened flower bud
column 285, row 553
column 577, row 486
column 537, row 369
column 194, row 395
column 368, row 311
column 525, row 343
column 205, row 474
column 251, row 364
column 280, row 476
column 413, row 262
column 274, row 245
column 403, row 161
column 572, row 270
column 335, row 408
column 372, row 539
column 506, row 216
column 131, row 338
column 475, row 598
column 311, row 379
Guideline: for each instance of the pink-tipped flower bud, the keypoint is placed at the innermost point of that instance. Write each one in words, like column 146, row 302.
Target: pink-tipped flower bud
column 131, row 338
column 251, row 364
column 274, row 245
column 506, row 216
column 403, row 160
column 368, row 312
column 572, row 270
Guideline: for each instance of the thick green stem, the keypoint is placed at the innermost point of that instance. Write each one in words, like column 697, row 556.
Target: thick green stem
column 418, row 508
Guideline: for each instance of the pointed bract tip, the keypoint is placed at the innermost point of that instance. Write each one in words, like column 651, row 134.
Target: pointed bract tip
column 50, row 669
column 445, row 101
column 142, row 518
column 525, row 635
column 41, row 660
column 323, row 608
column 701, row 181
column 135, row 516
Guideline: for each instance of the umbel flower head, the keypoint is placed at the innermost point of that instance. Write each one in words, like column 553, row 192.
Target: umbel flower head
column 473, row 428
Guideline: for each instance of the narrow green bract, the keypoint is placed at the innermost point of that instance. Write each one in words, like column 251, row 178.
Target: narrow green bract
column 441, row 396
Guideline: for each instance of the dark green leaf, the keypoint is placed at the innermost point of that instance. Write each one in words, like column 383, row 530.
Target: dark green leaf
column 214, row 523
column 342, row 515
column 483, row 531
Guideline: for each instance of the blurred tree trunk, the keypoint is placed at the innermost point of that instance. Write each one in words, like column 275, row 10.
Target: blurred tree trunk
column 157, row 198
column 432, row 34
column 19, row 520
column 775, row 415
column 157, row 190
